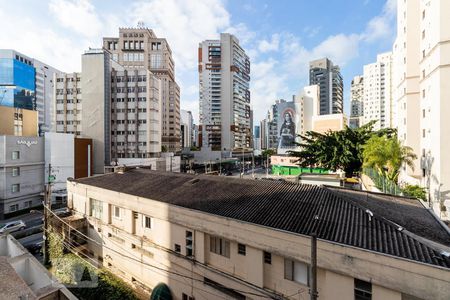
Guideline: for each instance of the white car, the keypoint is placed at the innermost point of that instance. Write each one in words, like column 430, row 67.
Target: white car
column 12, row 226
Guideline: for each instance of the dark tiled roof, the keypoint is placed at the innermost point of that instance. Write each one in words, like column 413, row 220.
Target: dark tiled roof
column 343, row 215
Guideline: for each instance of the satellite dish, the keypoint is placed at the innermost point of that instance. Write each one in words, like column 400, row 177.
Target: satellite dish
column 113, row 163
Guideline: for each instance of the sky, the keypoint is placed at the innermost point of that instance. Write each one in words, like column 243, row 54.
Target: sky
column 280, row 36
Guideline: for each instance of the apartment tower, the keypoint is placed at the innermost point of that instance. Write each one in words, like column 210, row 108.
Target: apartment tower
column 328, row 76
column 224, row 78
column 118, row 107
column 140, row 48
column 378, row 103
column 356, row 101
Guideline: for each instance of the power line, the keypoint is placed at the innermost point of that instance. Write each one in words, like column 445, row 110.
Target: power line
column 147, row 264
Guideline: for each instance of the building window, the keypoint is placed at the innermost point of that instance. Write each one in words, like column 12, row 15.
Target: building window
column 423, row 113
column 423, row 34
column 27, row 204
column 219, row 246
column 96, row 208
column 363, row 290
column 116, row 212
column 15, row 155
column 267, row 257
column 241, row 249
column 423, row 132
column 423, row 93
column 15, row 188
column 16, row 172
column 189, row 243
column 14, row 207
column 296, row 271
column 147, row 222
column 177, row 248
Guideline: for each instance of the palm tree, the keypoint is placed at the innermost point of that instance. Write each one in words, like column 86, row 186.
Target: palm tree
column 387, row 155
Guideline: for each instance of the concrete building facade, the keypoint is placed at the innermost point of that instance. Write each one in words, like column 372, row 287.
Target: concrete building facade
column 200, row 247
column 378, row 100
column 328, row 77
column 187, row 129
column 224, row 103
column 119, row 107
column 140, row 48
column 21, row 173
column 423, row 69
column 356, row 101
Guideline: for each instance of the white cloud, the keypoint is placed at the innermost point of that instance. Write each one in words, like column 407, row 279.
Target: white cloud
column 183, row 23
column 77, row 15
column 382, row 27
column 272, row 45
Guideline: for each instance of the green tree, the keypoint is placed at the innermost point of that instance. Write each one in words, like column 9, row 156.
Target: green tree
column 386, row 155
column 336, row 150
column 415, row 191
column 164, row 148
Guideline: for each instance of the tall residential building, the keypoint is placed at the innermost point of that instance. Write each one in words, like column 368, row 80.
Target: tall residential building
column 328, row 76
column 118, row 107
column 187, row 129
column 422, row 52
column 207, row 237
column 378, row 102
column 406, row 76
column 434, row 102
column 264, row 133
column 356, row 101
column 140, row 48
column 27, row 83
column 224, row 78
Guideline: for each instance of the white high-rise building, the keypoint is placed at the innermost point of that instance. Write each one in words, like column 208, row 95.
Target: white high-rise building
column 378, row 103
column 356, row 101
column 224, row 78
column 422, row 65
column 187, row 127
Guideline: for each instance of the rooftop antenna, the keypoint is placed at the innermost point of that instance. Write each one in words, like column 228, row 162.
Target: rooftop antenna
column 141, row 24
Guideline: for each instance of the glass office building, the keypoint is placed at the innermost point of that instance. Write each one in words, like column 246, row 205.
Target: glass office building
column 17, row 81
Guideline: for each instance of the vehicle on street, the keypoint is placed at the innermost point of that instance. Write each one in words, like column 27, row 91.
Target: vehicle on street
column 12, row 226
column 34, row 248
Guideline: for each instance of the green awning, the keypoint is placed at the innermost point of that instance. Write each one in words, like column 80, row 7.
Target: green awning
column 161, row 292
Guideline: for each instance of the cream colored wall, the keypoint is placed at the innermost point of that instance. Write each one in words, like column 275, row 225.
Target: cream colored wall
column 392, row 273
column 7, row 123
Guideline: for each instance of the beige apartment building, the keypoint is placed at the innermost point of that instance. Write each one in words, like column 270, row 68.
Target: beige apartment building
column 140, row 48
column 210, row 237
column 422, row 52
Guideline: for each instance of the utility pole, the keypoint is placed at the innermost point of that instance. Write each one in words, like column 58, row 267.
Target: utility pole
column 47, row 207
column 313, row 291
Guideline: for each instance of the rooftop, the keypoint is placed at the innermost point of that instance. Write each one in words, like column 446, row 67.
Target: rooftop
column 397, row 226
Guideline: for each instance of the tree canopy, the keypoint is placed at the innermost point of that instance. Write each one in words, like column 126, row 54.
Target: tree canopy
column 334, row 150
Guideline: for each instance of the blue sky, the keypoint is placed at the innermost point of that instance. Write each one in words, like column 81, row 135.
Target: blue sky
column 280, row 36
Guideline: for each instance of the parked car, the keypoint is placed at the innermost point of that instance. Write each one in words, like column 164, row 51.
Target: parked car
column 12, row 226
column 34, row 248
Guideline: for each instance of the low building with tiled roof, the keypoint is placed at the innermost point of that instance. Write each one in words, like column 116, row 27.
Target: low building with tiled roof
column 216, row 237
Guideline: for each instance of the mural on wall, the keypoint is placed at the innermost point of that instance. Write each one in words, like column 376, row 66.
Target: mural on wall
column 287, row 129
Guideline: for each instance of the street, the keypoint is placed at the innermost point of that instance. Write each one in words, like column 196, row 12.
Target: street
column 31, row 219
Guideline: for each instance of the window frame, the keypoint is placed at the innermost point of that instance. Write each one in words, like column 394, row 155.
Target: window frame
column 17, row 173
column 115, row 210
column 267, row 257
column 289, row 271
column 13, row 190
column 219, row 246
column 242, row 249
column 144, row 222
column 13, row 157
